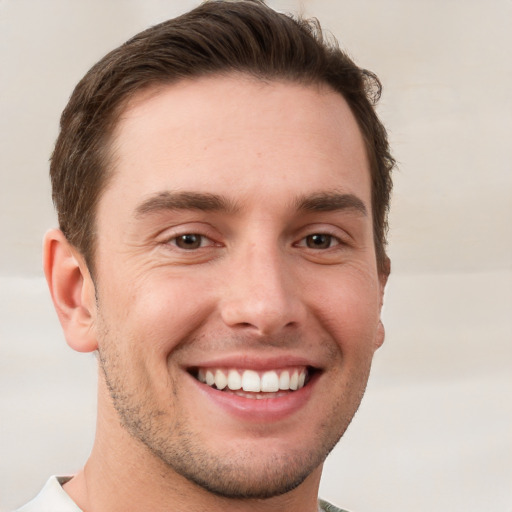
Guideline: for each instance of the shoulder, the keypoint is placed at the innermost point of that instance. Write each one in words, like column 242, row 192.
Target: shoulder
column 324, row 506
column 52, row 498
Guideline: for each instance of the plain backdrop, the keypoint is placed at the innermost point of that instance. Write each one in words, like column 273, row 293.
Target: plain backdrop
column 435, row 428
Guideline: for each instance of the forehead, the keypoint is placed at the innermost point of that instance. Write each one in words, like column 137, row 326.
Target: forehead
column 237, row 135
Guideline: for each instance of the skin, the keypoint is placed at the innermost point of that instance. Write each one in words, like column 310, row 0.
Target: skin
column 282, row 272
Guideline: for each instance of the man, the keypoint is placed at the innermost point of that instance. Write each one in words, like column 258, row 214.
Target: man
column 222, row 183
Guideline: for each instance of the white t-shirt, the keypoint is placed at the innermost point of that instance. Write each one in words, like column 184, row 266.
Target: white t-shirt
column 53, row 498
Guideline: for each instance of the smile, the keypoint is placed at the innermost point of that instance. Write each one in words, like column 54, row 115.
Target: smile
column 253, row 384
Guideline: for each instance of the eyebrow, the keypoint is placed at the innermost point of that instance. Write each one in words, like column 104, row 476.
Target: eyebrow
column 319, row 202
column 168, row 200
column 331, row 201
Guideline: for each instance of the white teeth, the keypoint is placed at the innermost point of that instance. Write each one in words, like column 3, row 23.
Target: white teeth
column 260, row 385
column 210, row 378
column 294, row 380
column 234, row 380
column 251, row 381
column 284, row 380
column 220, row 379
column 270, row 382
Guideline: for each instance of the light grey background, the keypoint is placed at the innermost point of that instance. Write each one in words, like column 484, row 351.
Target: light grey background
column 435, row 429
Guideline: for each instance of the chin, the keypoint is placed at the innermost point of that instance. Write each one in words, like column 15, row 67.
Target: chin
column 245, row 475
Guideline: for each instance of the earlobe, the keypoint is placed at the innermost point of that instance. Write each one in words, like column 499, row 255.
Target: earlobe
column 383, row 278
column 381, row 334
column 72, row 291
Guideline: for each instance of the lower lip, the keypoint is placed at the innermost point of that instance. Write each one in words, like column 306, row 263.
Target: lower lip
column 259, row 410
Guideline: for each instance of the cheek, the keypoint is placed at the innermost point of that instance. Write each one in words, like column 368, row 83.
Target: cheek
column 350, row 312
column 159, row 312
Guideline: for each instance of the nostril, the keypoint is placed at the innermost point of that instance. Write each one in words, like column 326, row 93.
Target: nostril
column 266, row 314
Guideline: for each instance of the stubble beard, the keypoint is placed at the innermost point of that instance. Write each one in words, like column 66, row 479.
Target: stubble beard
column 234, row 474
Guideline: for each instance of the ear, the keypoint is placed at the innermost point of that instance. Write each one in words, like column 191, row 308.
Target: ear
column 72, row 291
column 383, row 279
column 380, row 335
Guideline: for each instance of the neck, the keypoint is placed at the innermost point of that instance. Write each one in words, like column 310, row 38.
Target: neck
column 102, row 487
column 122, row 474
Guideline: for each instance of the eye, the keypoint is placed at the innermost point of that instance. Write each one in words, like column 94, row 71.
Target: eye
column 320, row 241
column 190, row 241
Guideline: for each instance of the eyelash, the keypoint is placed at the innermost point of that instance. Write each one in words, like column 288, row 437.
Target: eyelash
column 202, row 238
column 330, row 238
column 202, row 241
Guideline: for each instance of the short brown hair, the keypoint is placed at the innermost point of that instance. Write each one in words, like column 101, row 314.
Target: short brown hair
column 216, row 37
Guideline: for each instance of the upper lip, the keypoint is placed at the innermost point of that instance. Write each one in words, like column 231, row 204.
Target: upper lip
column 256, row 363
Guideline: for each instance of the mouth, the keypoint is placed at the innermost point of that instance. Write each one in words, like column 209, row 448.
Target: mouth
column 255, row 384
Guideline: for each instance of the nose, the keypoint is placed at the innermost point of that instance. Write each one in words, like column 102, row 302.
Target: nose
column 262, row 294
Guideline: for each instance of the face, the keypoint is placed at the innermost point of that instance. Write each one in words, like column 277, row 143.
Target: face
column 238, row 297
